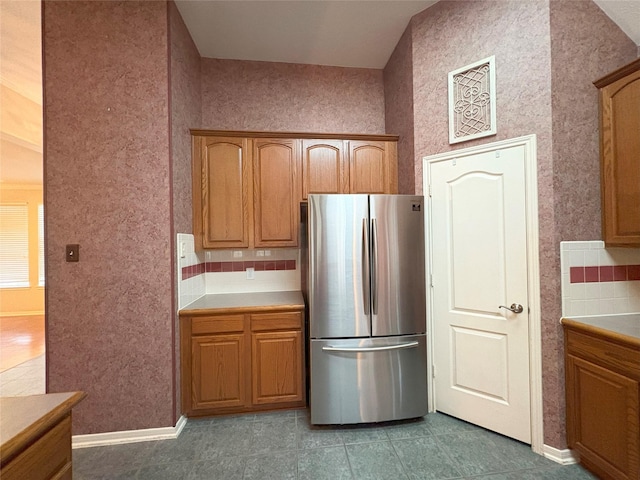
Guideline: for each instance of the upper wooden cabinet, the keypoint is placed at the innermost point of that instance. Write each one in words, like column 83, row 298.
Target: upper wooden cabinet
column 247, row 186
column 276, row 192
column 221, row 191
column 325, row 167
column 372, row 167
column 620, row 155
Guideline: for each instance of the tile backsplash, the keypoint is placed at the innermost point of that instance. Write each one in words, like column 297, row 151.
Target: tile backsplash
column 598, row 280
column 226, row 271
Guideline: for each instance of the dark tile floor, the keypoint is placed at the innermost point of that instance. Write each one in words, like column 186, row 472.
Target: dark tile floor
column 284, row 446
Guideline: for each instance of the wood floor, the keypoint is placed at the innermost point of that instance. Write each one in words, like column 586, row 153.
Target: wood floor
column 21, row 339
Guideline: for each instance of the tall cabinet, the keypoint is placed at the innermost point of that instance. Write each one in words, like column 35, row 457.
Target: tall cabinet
column 620, row 155
column 247, row 186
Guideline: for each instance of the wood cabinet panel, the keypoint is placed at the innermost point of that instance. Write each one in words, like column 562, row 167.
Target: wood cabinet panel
column 217, row 324
column 602, row 419
column 222, row 192
column 276, row 193
column 372, row 167
column 617, row 357
column 619, row 154
column 218, row 371
column 325, row 167
column 48, row 457
column 277, row 367
column 276, row 321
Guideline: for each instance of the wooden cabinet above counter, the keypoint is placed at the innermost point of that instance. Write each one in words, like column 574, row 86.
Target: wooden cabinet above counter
column 620, row 155
column 247, row 186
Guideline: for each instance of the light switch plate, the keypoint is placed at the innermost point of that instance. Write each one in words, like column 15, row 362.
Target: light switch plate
column 72, row 252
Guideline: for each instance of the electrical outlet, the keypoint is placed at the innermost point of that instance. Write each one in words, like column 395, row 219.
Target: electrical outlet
column 237, row 254
column 251, row 273
column 259, row 253
column 267, row 253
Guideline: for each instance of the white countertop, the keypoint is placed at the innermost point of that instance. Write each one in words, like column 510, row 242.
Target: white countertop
column 624, row 324
column 246, row 300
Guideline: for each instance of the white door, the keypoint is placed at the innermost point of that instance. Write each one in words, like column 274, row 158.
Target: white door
column 479, row 263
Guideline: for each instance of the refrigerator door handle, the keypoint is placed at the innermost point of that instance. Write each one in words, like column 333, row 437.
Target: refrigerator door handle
column 400, row 346
column 365, row 267
column 374, row 265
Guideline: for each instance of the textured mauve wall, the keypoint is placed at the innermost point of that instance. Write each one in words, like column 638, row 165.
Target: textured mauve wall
column 185, row 114
column 107, row 176
column 452, row 34
column 547, row 55
column 286, row 97
column 398, row 99
column 585, row 45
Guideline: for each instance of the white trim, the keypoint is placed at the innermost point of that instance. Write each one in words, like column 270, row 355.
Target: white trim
column 21, row 186
column 533, row 274
column 128, row 436
column 563, row 457
column 23, row 314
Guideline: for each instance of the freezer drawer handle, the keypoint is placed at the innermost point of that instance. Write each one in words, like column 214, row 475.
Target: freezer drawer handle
column 400, row 346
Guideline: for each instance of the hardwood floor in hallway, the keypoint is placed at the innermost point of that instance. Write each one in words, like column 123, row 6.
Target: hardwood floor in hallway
column 21, row 339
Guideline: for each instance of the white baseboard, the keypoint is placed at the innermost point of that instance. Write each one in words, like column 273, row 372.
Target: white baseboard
column 31, row 313
column 128, row 436
column 563, row 457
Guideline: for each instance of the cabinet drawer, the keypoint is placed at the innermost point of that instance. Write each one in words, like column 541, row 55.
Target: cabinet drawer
column 617, row 357
column 217, row 324
column 276, row 321
column 46, row 458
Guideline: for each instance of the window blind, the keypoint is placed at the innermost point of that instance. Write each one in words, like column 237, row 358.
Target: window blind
column 14, row 245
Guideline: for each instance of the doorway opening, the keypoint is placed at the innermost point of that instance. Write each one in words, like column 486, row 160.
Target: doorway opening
column 22, row 273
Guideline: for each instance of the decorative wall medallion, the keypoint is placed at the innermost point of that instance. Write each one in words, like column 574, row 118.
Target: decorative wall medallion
column 472, row 101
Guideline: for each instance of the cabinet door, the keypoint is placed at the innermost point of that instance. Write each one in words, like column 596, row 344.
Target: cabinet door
column 620, row 151
column 602, row 419
column 277, row 367
column 218, row 371
column 325, row 168
column 276, row 190
column 222, row 213
column 372, row 167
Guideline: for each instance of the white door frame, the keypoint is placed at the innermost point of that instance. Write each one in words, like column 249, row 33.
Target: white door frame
column 533, row 271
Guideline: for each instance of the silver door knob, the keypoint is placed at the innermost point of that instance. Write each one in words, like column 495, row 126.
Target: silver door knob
column 515, row 307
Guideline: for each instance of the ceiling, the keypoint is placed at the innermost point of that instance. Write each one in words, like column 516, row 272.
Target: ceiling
column 347, row 33
column 340, row 33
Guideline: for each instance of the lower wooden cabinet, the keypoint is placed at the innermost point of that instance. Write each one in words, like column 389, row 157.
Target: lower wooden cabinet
column 218, row 363
column 35, row 436
column 603, row 403
column 241, row 363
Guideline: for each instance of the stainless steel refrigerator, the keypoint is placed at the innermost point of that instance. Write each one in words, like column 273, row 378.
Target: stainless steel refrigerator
column 367, row 308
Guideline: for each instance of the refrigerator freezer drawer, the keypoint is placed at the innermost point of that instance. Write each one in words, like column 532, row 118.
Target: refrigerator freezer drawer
column 368, row 380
